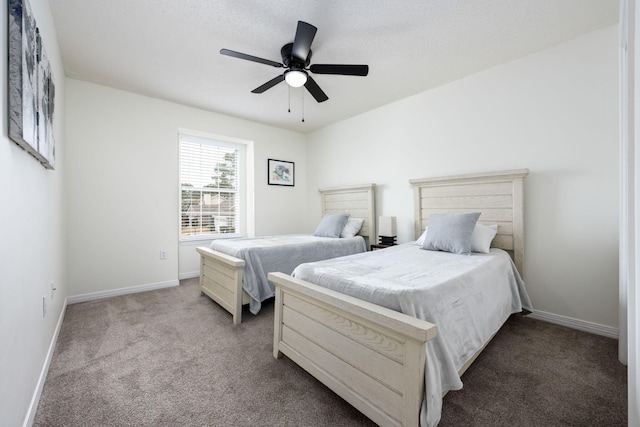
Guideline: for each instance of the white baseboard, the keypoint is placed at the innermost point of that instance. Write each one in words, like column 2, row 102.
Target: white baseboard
column 582, row 325
column 122, row 291
column 189, row 275
column 35, row 400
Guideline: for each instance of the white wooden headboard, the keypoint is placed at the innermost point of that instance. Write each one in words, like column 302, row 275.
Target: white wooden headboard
column 359, row 201
column 498, row 196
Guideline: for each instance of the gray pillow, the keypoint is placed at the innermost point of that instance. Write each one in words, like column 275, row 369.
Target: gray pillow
column 331, row 225
column 451, row 232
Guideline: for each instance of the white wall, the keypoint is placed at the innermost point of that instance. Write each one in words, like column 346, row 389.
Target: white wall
column 32, row 243
column 122, row 186
column 554, row 112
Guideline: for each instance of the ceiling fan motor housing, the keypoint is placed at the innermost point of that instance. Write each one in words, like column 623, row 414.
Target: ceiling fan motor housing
column 294, row 63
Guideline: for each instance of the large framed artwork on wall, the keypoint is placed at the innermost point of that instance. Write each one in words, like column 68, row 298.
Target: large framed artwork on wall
column 31, row 86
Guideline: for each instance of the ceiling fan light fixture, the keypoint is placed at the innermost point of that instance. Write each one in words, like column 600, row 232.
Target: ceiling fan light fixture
column 295, row 78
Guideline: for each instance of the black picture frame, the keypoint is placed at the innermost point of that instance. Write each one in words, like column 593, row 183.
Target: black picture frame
column 280, row 172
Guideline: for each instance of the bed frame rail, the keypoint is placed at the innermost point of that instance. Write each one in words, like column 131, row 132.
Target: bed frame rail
column 371, row 356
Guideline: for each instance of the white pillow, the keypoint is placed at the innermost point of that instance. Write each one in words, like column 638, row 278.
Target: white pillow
column 482, row 237
column 353, row 226
column 420, row 240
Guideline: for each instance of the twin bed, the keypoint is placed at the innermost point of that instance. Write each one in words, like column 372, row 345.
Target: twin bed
column 391, row 331
column 233, row 272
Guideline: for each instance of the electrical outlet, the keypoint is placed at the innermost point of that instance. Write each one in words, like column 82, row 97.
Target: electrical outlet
column 163, row 254
column 44, row 305
column 53, row 289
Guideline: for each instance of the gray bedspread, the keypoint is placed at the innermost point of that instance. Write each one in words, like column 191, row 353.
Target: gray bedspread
column 264, row 255
column 468, row 298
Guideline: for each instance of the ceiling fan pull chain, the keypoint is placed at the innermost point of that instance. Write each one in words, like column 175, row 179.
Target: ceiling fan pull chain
column 302, row 106
column 289, row 109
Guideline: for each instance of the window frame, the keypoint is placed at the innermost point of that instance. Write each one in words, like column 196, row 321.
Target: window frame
column 241, row 148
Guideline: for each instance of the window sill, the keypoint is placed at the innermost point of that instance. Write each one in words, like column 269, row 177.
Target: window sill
column 204, row 240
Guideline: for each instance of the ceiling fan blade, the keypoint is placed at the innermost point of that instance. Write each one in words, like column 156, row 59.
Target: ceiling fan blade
column 268, row 85
column 250, row 58
column 315, row 90
column 342, row 69
column 302, row 43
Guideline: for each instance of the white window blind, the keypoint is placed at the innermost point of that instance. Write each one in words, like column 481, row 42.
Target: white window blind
column 209, row 188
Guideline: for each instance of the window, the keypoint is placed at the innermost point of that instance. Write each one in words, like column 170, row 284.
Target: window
column 209, row 188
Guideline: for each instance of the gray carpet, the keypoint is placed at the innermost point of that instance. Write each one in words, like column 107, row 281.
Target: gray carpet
column 173, row 358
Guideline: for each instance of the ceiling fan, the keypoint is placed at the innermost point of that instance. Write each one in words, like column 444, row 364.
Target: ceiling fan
column 296, row 57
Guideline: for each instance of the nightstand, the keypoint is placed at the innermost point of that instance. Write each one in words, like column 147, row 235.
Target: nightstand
column 379, row 246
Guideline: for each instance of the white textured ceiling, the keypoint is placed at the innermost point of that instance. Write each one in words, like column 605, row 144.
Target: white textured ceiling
column 169, row 49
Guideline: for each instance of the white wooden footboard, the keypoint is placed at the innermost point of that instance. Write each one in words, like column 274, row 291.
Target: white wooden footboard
column 371, row 356
column 221, row 280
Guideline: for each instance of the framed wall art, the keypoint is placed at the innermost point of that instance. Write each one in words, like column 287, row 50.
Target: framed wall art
column 31, row 87
column 280, row 172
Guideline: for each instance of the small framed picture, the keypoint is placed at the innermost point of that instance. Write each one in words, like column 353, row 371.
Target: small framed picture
column 280, row 172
